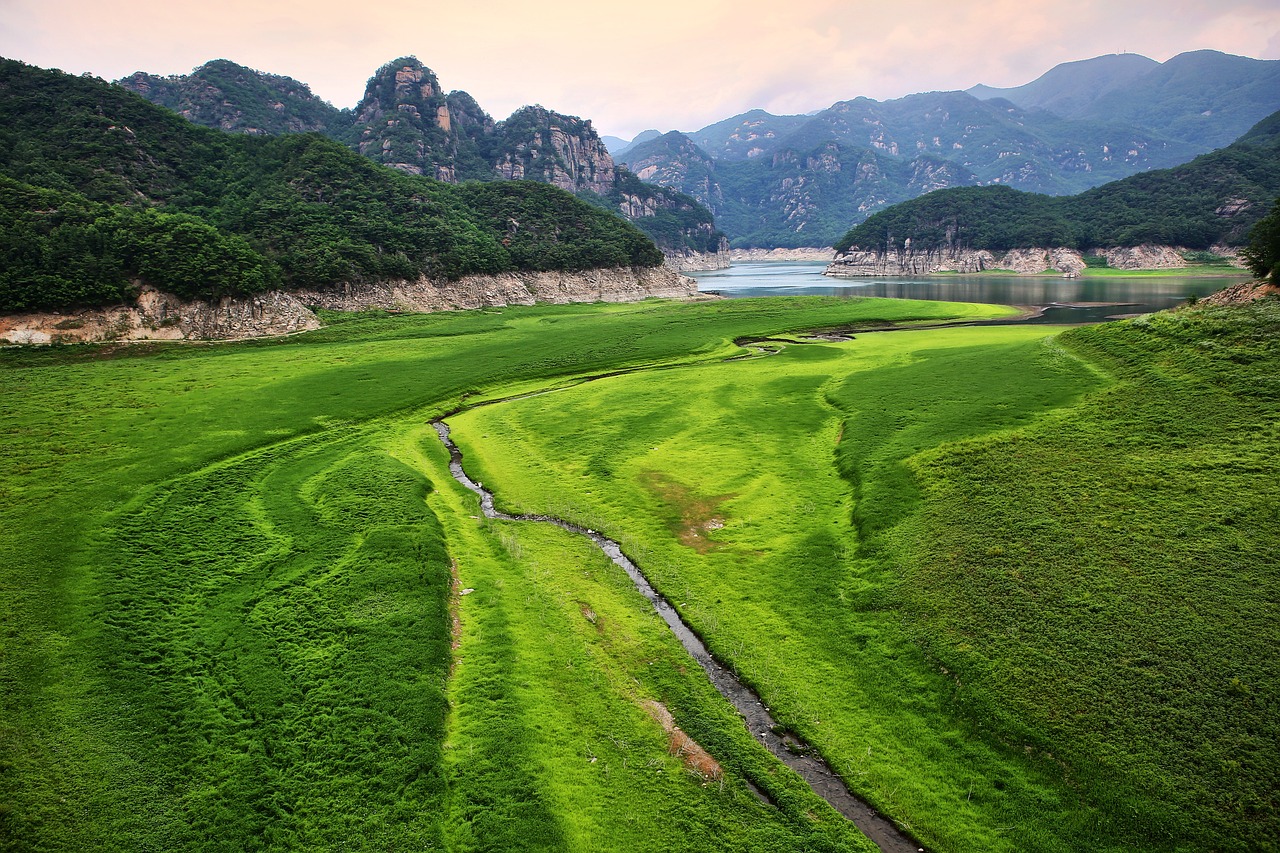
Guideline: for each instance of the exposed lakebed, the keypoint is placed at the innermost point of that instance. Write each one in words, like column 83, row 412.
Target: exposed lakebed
column 792, row 751
column 1064, row 300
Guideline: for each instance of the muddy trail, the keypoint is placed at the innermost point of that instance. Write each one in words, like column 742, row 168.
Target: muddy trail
column 792, row 751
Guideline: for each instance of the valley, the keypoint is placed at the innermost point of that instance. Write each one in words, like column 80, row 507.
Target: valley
column 234, row 566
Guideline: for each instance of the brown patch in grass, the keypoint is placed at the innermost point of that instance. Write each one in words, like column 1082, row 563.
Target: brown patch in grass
column 679, row 744
column 455, row 626
column 698, row 515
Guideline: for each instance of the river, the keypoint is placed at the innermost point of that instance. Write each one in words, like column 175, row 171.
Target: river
column 1064, row 300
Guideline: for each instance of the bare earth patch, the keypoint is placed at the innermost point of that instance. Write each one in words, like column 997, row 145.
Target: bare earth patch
column 681, row 745
column 698, row 515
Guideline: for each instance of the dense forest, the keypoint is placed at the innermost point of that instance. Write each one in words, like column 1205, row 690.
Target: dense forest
column 1214, row 199
column 103, row 190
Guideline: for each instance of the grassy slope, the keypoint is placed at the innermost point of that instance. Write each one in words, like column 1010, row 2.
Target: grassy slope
column 1043, row 639
column 220, row 633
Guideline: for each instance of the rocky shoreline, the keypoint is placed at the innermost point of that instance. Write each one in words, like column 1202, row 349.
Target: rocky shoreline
column 907, row 261
column 804, row 254
column 162, row 316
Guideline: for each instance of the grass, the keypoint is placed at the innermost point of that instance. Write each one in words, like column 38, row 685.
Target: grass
column 1189, row 270
column 226, row 587
column 1024, row 609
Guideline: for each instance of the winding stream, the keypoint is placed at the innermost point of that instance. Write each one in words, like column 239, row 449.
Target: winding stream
column 793, row 752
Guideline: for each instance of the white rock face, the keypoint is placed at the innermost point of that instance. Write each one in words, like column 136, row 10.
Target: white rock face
column 622, row 284
column 902, row 262
column 804, row 254
column 161, row 316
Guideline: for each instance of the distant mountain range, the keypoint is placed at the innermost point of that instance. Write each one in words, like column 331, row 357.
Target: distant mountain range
column 1213, row 200
column 803, row 180
column 408, row 121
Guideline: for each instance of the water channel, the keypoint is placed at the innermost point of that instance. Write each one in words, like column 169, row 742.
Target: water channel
column 1063, row 300
column 1087, row 300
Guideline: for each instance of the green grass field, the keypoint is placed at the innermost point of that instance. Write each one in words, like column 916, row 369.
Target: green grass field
column 1018, row 588
column 226, row 581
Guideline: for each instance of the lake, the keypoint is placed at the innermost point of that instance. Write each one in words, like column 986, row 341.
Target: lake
column 1065, row 300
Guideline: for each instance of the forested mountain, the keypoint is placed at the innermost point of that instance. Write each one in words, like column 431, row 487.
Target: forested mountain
column 228, row 96
column 407, row 121
column 1216, row 198
column 101, row 190
column 802, row 180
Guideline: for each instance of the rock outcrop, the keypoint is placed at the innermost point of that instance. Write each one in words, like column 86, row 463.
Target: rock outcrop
column 516, row 288
column 160, row 316
column 752, row 255
column 907, row 261
column 541, row 145
column 689, row 260
column 911, row 262
column 164, row 317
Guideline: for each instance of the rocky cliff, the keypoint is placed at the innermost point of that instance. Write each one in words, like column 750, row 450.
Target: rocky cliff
column 160, row 316
column 912, row 262
column 406, row 121
column 538, row 144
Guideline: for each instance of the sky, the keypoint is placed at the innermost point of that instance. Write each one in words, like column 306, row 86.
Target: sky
column 664, row 64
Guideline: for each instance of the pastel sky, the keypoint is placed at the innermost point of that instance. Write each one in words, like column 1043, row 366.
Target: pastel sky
column 666, row 64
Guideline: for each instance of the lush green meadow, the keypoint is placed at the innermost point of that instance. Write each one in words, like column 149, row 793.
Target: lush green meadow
column 226, row 568
column 1020, row 590
column 1019, row 587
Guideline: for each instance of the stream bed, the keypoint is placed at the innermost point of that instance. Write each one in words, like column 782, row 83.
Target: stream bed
column 793, row 752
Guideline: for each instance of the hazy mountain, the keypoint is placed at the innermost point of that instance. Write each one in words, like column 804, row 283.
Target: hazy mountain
column 618, row 146
column 1080, row 125
column 744, row 136
column 1069, row 89
column 1216, row 198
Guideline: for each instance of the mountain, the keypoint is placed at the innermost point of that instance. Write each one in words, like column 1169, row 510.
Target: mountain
column 406, row 120
column 102, row 191
column 1069, row 89
column 231, row 97
column 618, row 146
column 1214, row 199
column 745, row 136
column 802, row 180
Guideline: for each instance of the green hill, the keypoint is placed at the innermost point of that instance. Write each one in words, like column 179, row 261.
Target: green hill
column 1216, row 198
column 104, row 191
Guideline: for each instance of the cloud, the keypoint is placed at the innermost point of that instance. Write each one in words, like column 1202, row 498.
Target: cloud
column 666, row 64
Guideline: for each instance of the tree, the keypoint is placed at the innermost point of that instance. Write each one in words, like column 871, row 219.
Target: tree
column 1262, row 255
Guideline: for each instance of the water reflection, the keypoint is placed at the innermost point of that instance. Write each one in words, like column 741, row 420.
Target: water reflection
column 1066, row 300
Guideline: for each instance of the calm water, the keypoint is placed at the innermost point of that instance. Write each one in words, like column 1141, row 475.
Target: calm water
column 1066, row 300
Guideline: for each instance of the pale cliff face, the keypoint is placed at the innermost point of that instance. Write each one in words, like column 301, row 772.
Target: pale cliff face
column 560, row 150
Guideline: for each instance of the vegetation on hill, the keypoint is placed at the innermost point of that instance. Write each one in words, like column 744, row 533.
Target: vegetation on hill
column 228, row 96
column 406, row 121
column 105, row 190
column 1215, row 198
column 670, row 218
column 1262, row 255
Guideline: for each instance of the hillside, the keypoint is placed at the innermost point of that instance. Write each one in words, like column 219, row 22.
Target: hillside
column 1079, row 126
column 1214, row 199
column 101, row 191
column 407, row 120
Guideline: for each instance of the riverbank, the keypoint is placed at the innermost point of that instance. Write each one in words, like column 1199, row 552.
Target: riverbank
column 952, row 260
column 158, row 316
